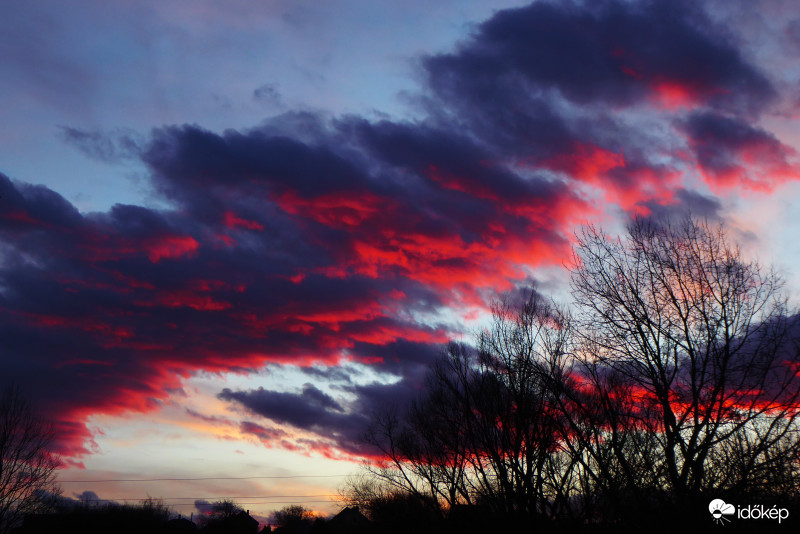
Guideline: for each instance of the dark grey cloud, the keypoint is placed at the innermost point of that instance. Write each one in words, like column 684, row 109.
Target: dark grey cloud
column 730, row 151
column 609, row 51
column 340, row 424
column 310, row 410
column 686, row 203
column 304, row 410
column 330, row 374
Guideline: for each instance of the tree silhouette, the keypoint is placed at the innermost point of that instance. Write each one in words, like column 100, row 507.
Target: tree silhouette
column 226, row 516
column 484, row 431
column 27, row 463
column 293, row 519
column 688, row 359
column 674, row 379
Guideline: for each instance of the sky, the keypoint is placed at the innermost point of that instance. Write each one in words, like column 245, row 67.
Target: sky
column 231, row 231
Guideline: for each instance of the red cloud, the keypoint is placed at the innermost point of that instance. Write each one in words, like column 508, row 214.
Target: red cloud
column 338, row 210
column 732, row 154
column 170, row 247
column 617, row 180
column 232, row 221
column 99, row 246
column 758, row 166
column 383, row 335
column 674, row 94
column 177, row 299
column 585, row 161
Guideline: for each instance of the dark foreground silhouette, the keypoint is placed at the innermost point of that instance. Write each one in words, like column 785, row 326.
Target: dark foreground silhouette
column 405, row 516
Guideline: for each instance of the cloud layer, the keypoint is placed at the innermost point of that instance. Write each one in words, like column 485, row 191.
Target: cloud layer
column 311, row 239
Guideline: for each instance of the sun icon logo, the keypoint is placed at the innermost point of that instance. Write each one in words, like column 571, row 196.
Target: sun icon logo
column 719, row 509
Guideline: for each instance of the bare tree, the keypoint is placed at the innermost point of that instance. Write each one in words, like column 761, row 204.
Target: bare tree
column 409, row 464
column 361, row 490
column 291, row 513
column 486, row 428
column 688, row 360
column 293, row 519
column 676, row 378
column 516, row 434
column 224, row 509
column 27, row 463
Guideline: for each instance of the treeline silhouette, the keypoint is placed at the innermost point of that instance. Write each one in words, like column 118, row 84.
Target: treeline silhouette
column 673, row 382
column 152, row 516
column 69, row 517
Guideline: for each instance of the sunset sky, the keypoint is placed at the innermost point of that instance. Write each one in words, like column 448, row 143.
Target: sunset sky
column 232, row 229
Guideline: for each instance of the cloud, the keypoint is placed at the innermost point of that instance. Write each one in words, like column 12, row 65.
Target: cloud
column 83, row 500
column 731, row 153
column 683, row 203
column 668, row 54
column 261, row 432
column 330, row 374
column 311, row 410
column 268, row 94
column 315, row 241
column 112, row 147
column 332, row 426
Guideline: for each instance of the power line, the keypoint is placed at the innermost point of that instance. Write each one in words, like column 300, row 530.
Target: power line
column 274, row 502
column 211, row 498
column 199, row 478
column 250, row 502
column 262, row 502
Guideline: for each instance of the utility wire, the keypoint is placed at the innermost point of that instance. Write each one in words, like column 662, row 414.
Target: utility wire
column 200, row 478
column 255, row 502
column 265, row 502
column 262, row 502
column 211, row 498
